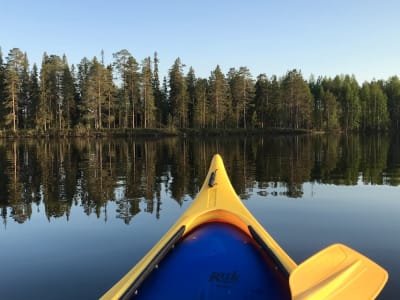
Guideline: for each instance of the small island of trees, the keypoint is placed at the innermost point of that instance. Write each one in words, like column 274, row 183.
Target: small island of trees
column 127, row 94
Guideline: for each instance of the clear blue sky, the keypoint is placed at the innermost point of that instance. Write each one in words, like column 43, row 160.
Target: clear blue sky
column 318, row 37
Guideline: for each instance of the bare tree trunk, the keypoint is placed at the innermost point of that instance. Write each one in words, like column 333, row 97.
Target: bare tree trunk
column 14, row 102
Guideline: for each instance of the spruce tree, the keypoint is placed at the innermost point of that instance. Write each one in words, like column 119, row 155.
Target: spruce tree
column 128, row 70
column 191, row 89
column 148, row 105
column 350, row 103
column 178, row 94
column 317, row 90
column 133, row 84
column 68, row 94
column 262, row 99
column 392, row 90
column 219, row 106
column 13, row 79
column 158, row 96
column 201, row 105
column 52, row 102
column 297, row 100
column 2, row 88
column 94, row 102
column 82, row 89
column 34, row 95
column 24, row 95
column 242, row 92
column 329, row 111
column 375, row 115
column 110, row 91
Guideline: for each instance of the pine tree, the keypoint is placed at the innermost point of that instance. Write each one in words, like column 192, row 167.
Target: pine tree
column 13, row 80
column 166, row 106
column 95, row 97
column 329, row 111
column 247, row 91
column 276, row 110
column 375, row 115
column 201, row 106
column 262, row 99
column 218, row 105
column 69, row 94
column 110, row 91
column 392, row 90
column 34, row 96
column 2, row 88
column 149, row 108
column 25, row 97
column 297, row 100
column 52, row 102
column 82, row 88
column 242, row 91
column 128, row 70
column 317, row 90
column 191, row 89
column 43, row 113
column 178, row 94
column 158, row 96
column 350, row 103
column 133, row 84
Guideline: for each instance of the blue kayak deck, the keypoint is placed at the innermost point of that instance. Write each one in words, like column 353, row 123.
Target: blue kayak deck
column 215, row 261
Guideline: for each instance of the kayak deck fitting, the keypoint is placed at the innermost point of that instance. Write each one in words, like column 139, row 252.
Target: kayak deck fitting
column 218, row 250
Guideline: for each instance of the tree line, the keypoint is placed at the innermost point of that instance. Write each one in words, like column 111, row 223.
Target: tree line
column 128, row 94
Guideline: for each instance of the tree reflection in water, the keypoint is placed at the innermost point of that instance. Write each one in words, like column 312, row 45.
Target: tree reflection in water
column 88, row 173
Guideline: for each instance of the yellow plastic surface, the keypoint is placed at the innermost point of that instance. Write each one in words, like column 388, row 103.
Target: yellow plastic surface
column 337, row 272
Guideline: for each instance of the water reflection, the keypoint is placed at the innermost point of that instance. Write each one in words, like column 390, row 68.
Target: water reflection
column 89, row 173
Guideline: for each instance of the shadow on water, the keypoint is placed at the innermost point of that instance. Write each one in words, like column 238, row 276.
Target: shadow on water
column 61, row 174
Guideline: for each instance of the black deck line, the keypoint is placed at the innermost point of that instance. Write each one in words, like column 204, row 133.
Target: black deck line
column 270, row 253
column 130, row 292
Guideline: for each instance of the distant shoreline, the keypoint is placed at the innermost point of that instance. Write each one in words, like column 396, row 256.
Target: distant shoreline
column 164, row 132
column 153, row 132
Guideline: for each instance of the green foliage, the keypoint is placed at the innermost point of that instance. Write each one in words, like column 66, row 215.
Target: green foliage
column 52, row 104
column 201, row 105
column 148, row 108
column 178, row 96
column 330, row 111
column 392, row 90
column 219, row 107
column 191, row 90
column 262, row 100
column 242, row 92
column 351, row 108
column 15, row 85
column 374, row 107
column 160, row 100
column 129, row 96
column 94, row 102
column 296, row 99
column 34, row 97
column 2, row 88
column 126, row 95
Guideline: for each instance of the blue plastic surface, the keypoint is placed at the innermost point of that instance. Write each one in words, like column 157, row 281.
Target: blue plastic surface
column 215, row 261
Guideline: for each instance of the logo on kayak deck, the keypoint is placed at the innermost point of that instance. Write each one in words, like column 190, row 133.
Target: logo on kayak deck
column 224, row 277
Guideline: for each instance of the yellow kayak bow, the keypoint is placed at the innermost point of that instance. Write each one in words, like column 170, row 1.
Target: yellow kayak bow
column 336, row 272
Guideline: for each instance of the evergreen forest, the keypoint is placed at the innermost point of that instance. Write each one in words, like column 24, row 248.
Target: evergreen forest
column 129, row 94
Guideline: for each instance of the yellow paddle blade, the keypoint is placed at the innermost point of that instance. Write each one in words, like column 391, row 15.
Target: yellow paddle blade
column 337, row 272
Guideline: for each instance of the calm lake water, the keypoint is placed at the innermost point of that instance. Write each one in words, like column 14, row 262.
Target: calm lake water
column 76, row 215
